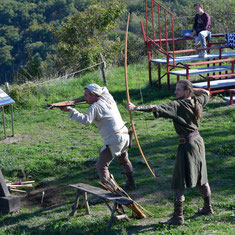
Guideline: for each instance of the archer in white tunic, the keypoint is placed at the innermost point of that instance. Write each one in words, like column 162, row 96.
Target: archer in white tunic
column 109, row 123
column 105, row 114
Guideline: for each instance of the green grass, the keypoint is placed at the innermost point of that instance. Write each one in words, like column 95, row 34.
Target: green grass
column 55, row 151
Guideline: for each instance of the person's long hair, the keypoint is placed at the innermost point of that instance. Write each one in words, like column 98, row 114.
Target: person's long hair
column 188, row 86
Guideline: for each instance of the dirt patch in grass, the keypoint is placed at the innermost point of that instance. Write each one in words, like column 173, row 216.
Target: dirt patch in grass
column 45, row 196
column 15, row 139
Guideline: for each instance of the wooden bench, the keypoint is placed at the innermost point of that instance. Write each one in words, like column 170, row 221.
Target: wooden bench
column 217, row 76
column 218, row 84
column 204, row 70
column 187, row 71
column 106, row 196
column 182, row 60
column 215, row 84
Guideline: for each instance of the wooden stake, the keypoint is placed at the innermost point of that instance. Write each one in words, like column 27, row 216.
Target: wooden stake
column 12, row 120
column 18, row 190
column 4, row 124
column 26, row 182
column 20, row 185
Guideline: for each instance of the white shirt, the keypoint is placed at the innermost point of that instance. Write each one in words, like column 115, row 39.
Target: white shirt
column 109, row 123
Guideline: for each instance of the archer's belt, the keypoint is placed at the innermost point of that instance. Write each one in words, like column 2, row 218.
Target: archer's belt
column 122, row 132
column 188, row 137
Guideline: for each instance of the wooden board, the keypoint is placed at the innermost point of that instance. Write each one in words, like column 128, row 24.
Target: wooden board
column 193, row 58
column 5, row 99
column 216, row 83
column 102, row 193
column 212, row 69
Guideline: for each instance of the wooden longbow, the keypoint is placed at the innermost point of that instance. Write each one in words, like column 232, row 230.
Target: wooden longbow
column 128, row 100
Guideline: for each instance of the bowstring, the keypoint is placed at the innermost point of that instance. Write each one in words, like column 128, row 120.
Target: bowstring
column 142, row 101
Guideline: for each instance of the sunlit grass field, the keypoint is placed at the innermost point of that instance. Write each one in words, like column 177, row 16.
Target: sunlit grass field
column 55, row 151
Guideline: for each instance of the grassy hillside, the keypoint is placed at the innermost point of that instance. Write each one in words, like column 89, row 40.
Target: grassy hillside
column 55, row 152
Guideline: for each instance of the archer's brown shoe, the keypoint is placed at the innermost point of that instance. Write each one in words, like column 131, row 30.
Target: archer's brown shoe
column 178, row 218
column 207, row 208
column 130, row 183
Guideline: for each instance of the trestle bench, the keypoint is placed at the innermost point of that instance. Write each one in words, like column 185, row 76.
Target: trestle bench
column 106, row 196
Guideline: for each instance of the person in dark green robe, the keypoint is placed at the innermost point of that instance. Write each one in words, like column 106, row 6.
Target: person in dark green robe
column 190, row 165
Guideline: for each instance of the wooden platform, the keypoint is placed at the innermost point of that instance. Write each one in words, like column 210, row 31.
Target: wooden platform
column 182, row 59
column 105, row 195
column 212, row 69
column 215, row 84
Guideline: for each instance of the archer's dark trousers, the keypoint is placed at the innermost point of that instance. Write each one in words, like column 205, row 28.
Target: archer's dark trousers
column 104, row 160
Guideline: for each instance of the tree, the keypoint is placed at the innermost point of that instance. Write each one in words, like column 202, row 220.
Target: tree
column 85, row 34
column 24, row 28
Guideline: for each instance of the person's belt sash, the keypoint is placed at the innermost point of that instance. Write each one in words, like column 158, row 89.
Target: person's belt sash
column 188, row 137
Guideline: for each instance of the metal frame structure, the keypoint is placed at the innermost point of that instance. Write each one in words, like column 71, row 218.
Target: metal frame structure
column 164, row 18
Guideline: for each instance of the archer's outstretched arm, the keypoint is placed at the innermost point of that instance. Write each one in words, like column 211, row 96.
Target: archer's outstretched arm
column 200, row 91
column 144, row 108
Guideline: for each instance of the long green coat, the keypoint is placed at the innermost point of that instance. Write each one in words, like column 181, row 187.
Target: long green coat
column 190, row 165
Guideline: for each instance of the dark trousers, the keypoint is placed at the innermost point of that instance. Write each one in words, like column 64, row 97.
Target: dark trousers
column 104, row 160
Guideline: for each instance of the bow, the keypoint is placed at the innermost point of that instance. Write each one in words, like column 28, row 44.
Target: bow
column 128, row 100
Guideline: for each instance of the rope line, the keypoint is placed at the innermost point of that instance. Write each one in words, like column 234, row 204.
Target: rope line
column 70, row 74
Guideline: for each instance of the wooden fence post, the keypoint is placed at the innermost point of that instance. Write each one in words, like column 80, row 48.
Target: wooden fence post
column 102, row 67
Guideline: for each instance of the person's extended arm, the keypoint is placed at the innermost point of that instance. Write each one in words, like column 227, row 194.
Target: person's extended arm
column 145, row 108
column 85, row 119
column 200, row 91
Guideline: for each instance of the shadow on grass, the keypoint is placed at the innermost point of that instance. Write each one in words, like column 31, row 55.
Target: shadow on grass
column 10, row 221
column 55, row 226
column 161, row 160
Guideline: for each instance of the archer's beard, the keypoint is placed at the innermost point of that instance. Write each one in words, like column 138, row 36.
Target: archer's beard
column 180, row 98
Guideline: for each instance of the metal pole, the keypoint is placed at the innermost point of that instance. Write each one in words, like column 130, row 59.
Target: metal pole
column 12, row 120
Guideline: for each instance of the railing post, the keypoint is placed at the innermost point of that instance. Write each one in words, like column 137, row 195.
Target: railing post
column 153, row 21
column 159, row 26
column 150, row 68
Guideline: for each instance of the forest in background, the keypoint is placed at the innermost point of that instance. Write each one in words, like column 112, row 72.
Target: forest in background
column 43, row 39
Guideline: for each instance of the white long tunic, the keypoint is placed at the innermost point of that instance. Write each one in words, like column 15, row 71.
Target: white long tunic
column 109, row 123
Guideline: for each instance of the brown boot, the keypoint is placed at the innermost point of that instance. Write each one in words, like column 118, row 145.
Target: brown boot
column 207, row 208
column 177, row 218
column 130, row 183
